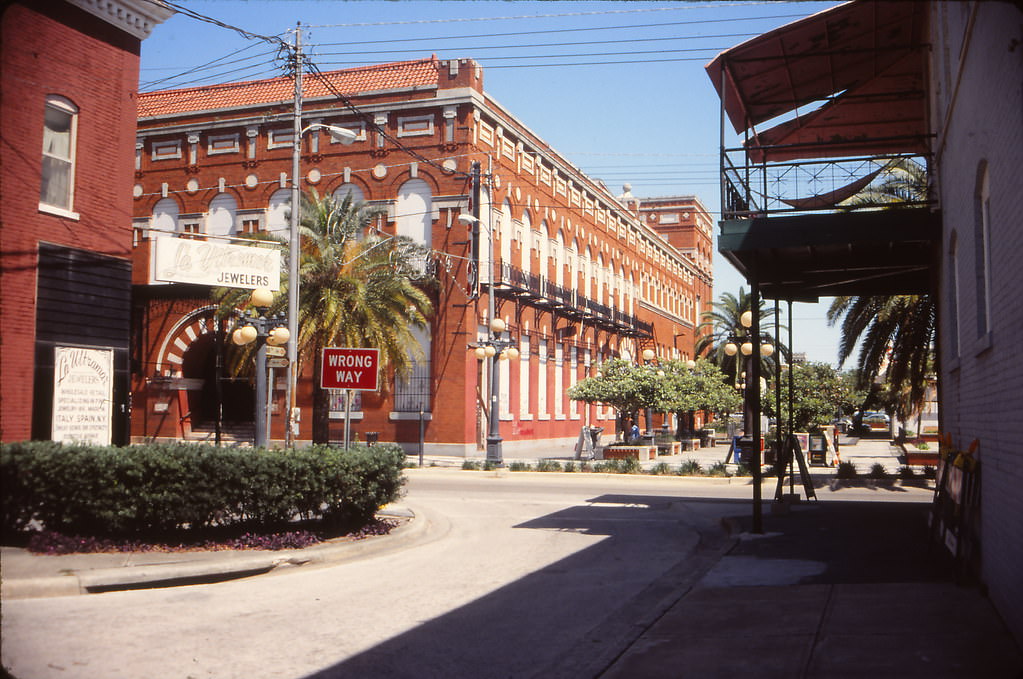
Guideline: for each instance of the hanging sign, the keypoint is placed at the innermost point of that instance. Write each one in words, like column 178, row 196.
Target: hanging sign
column 346, row 368
column 83, row 395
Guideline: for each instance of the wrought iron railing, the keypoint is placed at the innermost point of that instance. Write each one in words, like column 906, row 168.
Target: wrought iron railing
column 810, row 186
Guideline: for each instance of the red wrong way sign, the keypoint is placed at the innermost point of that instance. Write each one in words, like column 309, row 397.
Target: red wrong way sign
column 345, row 368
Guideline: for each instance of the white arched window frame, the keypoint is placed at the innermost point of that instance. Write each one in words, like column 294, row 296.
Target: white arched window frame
column 165, row 216
column 527, row 241
column 559, row 260
column 220, row 219
column 349, row 189
column 278, row 211
column 543, row 248
column 506, row 232
column 414, row 211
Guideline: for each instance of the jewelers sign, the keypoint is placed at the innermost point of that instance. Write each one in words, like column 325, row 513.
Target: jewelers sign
column 184, row 260
column 83, row 393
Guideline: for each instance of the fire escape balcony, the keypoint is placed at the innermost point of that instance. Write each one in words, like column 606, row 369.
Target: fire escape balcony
column 799, row 214
column 513, row 283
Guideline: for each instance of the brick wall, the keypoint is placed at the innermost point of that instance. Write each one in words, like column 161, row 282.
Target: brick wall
column 54, row 48
column 977, row 104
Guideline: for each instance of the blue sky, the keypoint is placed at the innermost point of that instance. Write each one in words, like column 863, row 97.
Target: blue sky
column 618, row 88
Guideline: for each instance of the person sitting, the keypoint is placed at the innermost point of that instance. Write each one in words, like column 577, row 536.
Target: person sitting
column 633, row 435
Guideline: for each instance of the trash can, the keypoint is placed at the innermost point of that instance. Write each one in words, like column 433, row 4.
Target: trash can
column 372, row 437
column 707, row 437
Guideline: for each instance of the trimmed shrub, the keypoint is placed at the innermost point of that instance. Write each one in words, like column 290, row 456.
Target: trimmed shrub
column 846, row 470
column 155, row 488
column 548, row 466
column 690, row 468
column 718, row 469
column 518, row 466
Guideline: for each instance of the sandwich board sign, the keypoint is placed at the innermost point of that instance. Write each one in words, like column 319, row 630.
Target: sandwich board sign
column 349, row 368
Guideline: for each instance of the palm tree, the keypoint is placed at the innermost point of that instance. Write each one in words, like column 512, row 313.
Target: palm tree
column 357, row 292
column 897, row 335
column 720, row 324
column 898, row 331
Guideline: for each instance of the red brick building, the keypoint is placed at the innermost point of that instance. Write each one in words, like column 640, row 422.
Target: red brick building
column 69, row 79
column 577, row 276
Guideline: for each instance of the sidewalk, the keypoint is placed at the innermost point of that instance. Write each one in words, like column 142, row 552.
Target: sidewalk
column 831, row 589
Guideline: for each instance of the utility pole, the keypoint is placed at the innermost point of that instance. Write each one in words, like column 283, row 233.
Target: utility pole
column 293, row 248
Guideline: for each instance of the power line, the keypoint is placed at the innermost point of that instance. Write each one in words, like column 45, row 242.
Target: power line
column 272, row 39
column 560, row 30
column 534, row 16
column 485, row 48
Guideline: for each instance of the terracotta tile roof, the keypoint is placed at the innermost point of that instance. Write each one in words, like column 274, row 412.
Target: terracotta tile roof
column 397, row 75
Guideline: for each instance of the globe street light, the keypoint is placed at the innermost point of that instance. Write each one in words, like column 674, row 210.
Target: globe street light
column 498, row 346
column 256, row 326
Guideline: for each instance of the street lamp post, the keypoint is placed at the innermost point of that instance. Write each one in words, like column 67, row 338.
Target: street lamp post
column 497, row 347
column 256, row 326
column 749, row 342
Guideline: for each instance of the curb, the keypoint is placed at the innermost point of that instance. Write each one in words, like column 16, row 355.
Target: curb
column 232, row 567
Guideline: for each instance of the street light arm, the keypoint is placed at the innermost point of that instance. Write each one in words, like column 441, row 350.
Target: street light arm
column 340, row 134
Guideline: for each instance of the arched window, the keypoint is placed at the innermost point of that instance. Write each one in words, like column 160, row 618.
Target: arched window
column 506, row 232
column 349, row 189
column 527, row 241
column 278, row 213
column 220, row 220
column 413, row 211
column 165, row 216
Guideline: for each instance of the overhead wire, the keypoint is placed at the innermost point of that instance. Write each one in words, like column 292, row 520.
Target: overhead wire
column 448, row 20
column 554, row 30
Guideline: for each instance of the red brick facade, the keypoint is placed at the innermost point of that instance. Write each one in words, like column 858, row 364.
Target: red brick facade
column 53, row 48
column 578, row 277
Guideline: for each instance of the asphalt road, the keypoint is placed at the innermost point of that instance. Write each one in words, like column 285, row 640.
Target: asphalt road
column 517, row 575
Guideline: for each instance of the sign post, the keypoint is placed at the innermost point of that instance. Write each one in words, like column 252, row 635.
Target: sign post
column 350, row 369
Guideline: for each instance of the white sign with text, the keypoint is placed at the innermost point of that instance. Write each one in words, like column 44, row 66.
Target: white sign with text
column 185, row 260
column 83, row 395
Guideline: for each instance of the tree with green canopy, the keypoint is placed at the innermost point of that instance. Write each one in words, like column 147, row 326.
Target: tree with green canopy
column 819, row 393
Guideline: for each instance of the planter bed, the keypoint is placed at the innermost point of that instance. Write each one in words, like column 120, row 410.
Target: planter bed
column 626, row 452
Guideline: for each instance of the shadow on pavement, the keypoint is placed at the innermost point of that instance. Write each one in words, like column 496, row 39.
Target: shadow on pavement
column 580, row 612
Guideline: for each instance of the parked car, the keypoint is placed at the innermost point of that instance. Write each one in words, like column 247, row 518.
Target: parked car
column 877, row 421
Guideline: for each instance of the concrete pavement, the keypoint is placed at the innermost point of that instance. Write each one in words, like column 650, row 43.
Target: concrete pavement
column 830, row 589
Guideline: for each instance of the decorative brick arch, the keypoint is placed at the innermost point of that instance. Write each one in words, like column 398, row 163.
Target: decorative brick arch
column 195, row 323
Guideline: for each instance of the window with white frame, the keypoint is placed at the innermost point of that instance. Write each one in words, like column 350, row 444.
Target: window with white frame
column 167, row 149
column 280, row 138
column 415, row 126
column 358, row 128
column 222, row 143
column 60, row 128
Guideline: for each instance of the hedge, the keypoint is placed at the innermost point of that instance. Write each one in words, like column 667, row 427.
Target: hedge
column 159, row 487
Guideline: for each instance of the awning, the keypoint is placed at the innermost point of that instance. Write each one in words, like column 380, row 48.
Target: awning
column 864, row 59
column 862, row 252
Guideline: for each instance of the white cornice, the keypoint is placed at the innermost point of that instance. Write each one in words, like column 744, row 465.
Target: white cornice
column 136, row 17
